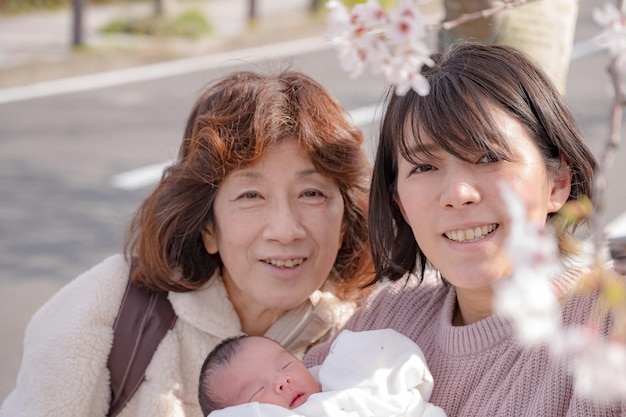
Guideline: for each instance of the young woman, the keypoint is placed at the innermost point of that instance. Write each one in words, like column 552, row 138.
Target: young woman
column 438, row 226
column 258, row 228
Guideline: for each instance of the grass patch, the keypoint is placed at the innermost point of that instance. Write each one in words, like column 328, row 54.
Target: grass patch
column 190, row 23
column 20, row 6
column 24, row 6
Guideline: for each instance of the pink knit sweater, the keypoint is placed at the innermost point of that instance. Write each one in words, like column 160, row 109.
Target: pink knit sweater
column 479, row 369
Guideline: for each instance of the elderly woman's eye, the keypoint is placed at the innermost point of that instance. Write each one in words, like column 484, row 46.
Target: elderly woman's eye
column 312, row 193
column 249, row 195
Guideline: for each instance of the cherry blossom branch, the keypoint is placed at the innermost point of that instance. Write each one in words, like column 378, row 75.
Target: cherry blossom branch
column 599, row 362
column 608, row 155
column 481, row 14
column 393, row 43
column 613, row 19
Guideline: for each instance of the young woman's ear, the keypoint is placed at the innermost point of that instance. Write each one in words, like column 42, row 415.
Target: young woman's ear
column 396, row 199
column 209, row 238
column 561, row 186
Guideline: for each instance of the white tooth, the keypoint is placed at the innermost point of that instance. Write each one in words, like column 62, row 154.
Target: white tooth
column 470, row 235
column 288, row 263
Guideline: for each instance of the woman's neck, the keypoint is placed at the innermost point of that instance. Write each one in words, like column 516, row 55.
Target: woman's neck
column 255, row 318
column 472, row 306
column 257, row 322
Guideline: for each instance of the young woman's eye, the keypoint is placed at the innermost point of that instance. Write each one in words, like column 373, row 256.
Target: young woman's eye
column 487, row 159
column 422, row 168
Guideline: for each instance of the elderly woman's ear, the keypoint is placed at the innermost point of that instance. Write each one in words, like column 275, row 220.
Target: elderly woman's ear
column 209, row 238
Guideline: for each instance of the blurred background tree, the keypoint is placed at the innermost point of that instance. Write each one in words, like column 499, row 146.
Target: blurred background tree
column 544, row 29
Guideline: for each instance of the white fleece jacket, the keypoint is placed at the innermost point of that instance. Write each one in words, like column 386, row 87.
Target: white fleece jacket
column 64, row 368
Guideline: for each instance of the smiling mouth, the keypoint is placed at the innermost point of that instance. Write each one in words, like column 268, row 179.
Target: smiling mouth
column 285, row 263
column 471, row 235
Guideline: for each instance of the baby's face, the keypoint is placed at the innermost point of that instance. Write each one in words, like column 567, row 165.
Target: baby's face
column 265, row 372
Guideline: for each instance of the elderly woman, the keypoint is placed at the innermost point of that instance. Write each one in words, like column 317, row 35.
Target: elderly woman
column 258, row 228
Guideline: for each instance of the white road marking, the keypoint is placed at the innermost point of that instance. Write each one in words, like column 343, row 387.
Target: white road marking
column 585, row 48
column 160, row 70
column 140, row 177
column 147, row 175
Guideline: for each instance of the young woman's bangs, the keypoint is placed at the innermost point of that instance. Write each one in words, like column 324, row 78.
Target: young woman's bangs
column 466, row 131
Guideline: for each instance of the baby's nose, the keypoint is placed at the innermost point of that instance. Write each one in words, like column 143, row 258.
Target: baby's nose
column 282, row 382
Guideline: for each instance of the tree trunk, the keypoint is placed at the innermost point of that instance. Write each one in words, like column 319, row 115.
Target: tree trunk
column 252, row 11
column 484, row 29
column 543, row 29
column 158, row 8
column 314, row 5
column 77, row 22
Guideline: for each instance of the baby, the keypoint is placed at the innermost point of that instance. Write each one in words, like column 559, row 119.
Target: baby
column 377, row 372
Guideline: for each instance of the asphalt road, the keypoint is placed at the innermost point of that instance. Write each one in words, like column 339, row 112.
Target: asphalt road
column 59, row 213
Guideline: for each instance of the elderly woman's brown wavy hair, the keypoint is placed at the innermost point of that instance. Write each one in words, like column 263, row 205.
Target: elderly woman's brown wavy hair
column 234, row 123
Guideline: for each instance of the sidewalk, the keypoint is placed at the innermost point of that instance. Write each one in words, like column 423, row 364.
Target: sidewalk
column 36, row 46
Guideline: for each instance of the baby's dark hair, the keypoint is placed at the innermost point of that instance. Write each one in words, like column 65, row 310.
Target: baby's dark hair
column 218, row 357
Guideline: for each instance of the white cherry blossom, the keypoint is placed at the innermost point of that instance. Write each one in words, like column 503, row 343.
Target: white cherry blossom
column 599, row 369
column 527, row 297
column 367, row 36
column 614, row 35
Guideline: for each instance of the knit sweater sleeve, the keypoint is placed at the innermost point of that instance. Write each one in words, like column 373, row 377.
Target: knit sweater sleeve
column 577, row 311
column 582, row 407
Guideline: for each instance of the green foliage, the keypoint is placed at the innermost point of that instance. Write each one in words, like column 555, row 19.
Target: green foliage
column 17, row 6
column 22, row 6
column 190, row 23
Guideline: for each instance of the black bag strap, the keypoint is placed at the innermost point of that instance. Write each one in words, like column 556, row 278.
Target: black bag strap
column 143, row 320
